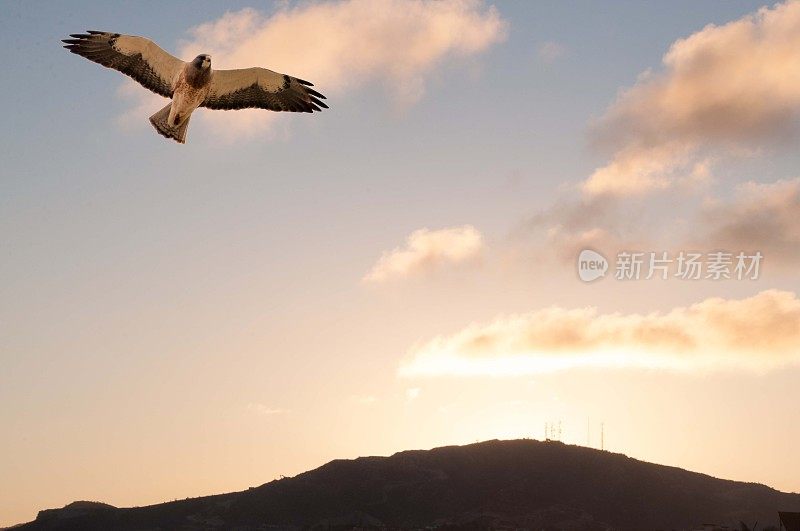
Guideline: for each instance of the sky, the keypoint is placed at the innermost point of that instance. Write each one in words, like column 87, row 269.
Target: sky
column 400, row 271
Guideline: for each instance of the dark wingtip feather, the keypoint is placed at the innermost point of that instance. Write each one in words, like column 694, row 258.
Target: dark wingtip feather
column 95, row 32
column 304, row 82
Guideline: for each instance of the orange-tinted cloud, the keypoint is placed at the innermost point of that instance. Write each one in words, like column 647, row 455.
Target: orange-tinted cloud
column 756, row 333
column 760, row 217
column 426, row 250
column 735, row 86
column 343, row 45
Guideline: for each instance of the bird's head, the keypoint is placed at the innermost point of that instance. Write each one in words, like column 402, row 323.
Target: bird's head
column 202, row 61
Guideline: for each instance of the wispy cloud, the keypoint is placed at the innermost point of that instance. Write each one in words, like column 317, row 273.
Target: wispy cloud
column 728, row 87
column 426, row 250
column 757, row 216
column 757, row 333
column 574, row 223
column 764, row 217
column 343, row 45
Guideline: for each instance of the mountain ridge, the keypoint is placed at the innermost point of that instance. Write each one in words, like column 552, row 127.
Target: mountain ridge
column 519, row 484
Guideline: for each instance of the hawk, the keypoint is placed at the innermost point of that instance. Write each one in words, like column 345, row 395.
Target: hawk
column 193, row 84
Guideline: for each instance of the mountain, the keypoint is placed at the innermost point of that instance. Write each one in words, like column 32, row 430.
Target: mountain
column 494, row 484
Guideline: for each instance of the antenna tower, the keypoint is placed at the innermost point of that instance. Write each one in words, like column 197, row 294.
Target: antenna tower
column 602, row 435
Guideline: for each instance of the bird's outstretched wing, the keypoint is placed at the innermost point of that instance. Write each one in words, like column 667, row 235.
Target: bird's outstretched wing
column 261, row 89
column 136, row 57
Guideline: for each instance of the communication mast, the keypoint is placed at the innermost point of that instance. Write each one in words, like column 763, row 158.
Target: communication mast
column 602, row 436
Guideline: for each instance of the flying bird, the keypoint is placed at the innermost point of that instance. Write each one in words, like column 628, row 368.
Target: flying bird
column 193, row 84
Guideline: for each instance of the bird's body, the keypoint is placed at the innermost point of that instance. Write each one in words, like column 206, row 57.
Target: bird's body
column 191, row 87
column 193, row 84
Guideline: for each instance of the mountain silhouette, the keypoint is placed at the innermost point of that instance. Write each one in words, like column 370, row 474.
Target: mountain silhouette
column 517, row 484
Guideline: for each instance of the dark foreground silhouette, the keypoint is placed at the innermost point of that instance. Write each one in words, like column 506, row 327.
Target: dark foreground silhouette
column 494, row 484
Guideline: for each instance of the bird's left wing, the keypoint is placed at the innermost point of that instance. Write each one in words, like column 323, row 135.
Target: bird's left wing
column 261, row 89
column 137, row 57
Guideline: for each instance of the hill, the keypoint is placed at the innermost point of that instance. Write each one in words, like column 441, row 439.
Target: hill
column 494, row 484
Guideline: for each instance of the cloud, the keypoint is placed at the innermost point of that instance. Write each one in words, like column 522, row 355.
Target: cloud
column 759, row 217
column 730, row 87
column 550, row 51
column 724, row 92
column 635, row 170
column 572, row 224
column 426, row 250
column 344, row 45
column 606, row 223
column 569, row 244
column 757, row 333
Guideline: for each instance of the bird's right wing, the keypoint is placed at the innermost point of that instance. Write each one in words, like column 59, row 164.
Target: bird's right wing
column 137, row 57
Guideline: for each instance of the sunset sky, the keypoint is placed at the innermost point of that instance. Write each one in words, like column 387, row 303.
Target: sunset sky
column 399, row 271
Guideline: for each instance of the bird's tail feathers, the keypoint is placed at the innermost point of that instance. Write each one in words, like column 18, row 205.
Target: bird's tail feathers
column 160, row 121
